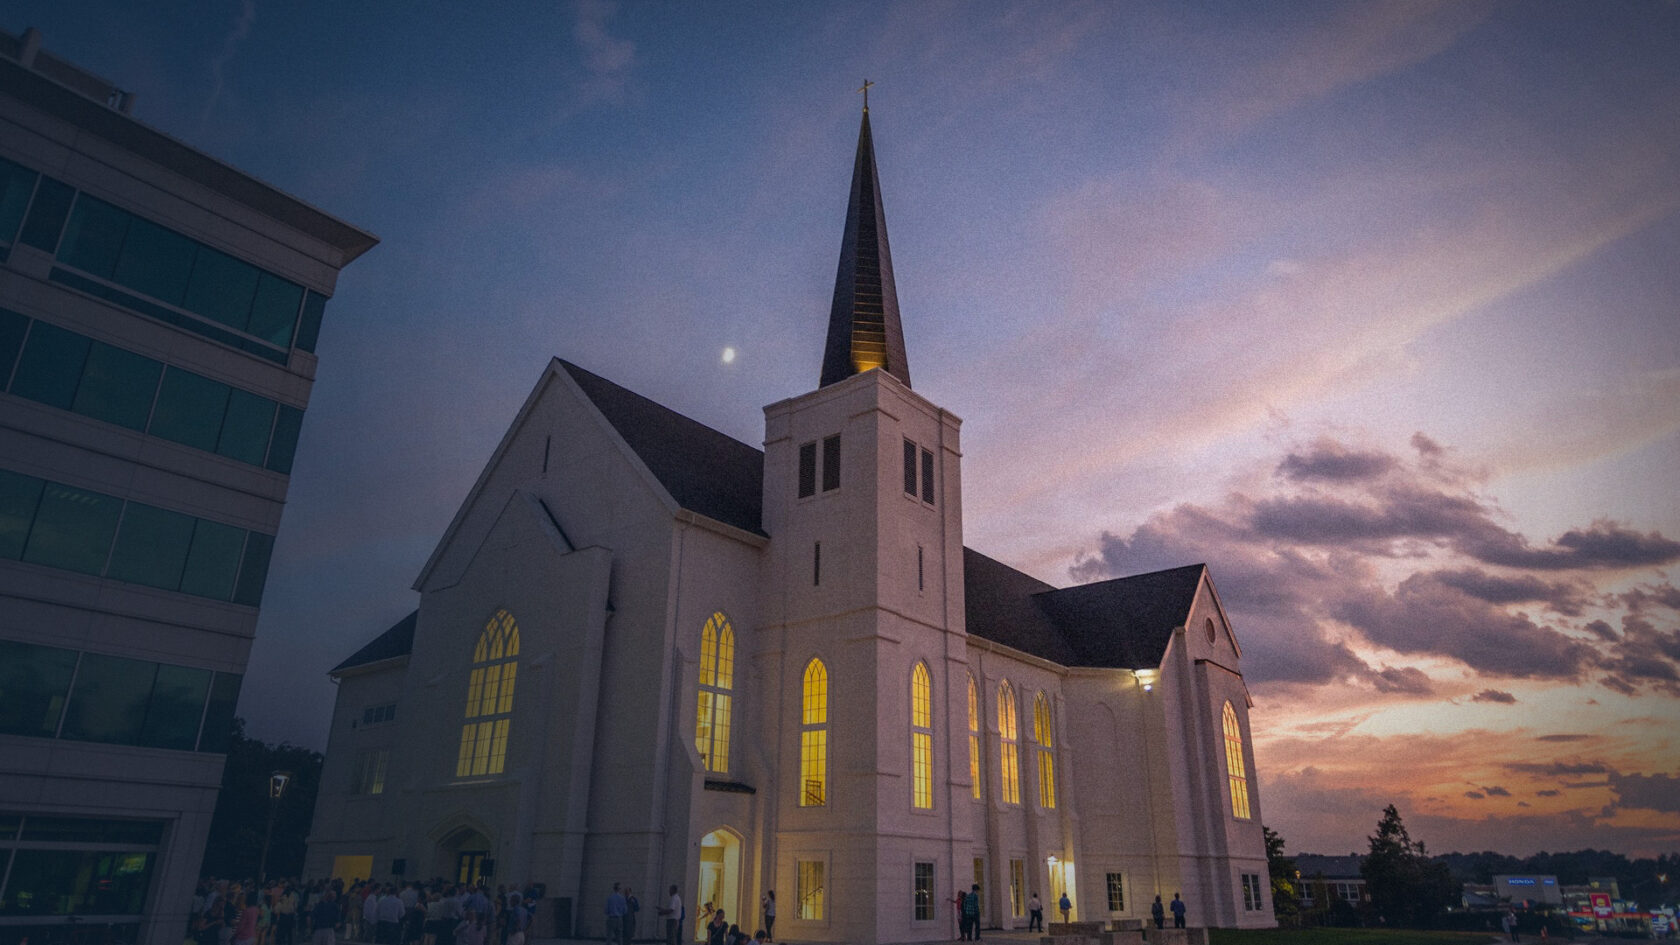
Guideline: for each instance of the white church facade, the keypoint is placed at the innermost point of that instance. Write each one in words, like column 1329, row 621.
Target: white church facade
column 647, row 653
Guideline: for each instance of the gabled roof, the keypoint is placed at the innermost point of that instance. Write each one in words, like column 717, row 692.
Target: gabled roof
column 705, row 471
column 1124, row 623
column 395, row 642
column 864, row 330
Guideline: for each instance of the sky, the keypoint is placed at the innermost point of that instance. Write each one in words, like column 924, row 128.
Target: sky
column 1372, row 307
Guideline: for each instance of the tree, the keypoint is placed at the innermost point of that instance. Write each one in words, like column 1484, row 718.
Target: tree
column 1406, row 887
column 1286, row 905
column 242, row 809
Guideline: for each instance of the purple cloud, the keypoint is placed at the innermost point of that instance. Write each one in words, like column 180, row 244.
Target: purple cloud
column 1493, row 695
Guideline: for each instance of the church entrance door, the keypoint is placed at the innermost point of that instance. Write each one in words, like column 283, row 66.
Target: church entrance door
column 469, row 865
column 720, row 880
column 464, row 855
column 1061, row 880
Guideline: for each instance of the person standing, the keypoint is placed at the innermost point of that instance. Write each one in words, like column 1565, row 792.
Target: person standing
column 1178, row 912
column 971, row 911
column 769, row 905
column 674, row 916
column 324, row 919
column 1035, row 913
column 1158, row 913
column 616, row 907
column 1066, row 905
column 632, row 909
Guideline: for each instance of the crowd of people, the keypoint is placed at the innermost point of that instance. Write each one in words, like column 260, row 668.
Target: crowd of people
column 285, row 912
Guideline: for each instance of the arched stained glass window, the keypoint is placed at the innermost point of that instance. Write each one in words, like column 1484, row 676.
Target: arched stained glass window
column 813, row 736
column 921, row 738
column 974, row 736
column 1236, row 771
column 1009, row 757
column 1046, row 739
column 484, row 735
column 717, row 683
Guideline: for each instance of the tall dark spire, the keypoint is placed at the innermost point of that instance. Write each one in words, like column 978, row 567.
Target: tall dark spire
column 864, row 331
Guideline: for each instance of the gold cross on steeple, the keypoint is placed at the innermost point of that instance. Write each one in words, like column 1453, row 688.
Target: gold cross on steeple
column 865, row 90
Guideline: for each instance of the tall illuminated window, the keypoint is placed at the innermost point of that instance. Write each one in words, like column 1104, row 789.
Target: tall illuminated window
column 974, row 737
column 717, row 680
column 484, row 736
column 813, row 737
column 1046, row 752
column 1009, row 758
column 1236, row 772
column 921, row 738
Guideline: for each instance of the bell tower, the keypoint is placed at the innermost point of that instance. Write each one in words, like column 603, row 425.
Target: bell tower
column 864, row 620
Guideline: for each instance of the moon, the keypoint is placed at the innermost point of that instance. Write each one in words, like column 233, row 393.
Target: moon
column 728, row 355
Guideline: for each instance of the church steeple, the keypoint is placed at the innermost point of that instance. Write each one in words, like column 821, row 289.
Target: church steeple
column 864, row 331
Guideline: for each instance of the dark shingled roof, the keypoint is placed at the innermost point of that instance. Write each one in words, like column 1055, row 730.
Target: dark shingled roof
column 1124, row 623
column 395, row 642
column 706, row 471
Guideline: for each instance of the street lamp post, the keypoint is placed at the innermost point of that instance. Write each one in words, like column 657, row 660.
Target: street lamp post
column 276, row 789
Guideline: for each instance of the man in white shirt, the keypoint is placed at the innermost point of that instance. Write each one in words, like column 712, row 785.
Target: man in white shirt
column 674, row 916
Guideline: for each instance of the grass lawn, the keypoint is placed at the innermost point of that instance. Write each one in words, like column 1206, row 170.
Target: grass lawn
column 1344, row 937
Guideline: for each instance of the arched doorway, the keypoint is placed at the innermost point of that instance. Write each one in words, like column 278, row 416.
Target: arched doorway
column 720, row 878
column 466, row 856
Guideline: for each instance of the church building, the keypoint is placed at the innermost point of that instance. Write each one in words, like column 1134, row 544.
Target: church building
column 647, row 653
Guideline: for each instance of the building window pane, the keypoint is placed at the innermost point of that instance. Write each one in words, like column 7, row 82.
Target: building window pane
column 370, row 772
column 218, row 713
column 287, row 424
column 93, row 240
column 1017, row 879
column 151, row 547
column 117, row 386
column 20, row 495
column 309, row 324
column 1116, row 892
column 831, row 463
column 246, row 427
column 16, row 184
column 807, row 470
column 274, row 313
column 253, row 569
column 155, row 261
column 222, row 288
column 73, row 529
column 1044, row 735
column 921, row 738
column 108, row 703
column 909, row 468
column 813, row 736
column 1008, row 739
column 974, row 738
column 927, row 476
column 176, row 707
column 212, row 560
column 34, row 683
column 717, row 678
column 12, row 329
column 46, row 215
column 190, row 409
column 77, row 882
column 490, row 687
column 51, row 366
column 1236, row 771
column 924, row 892
column 810, row 890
